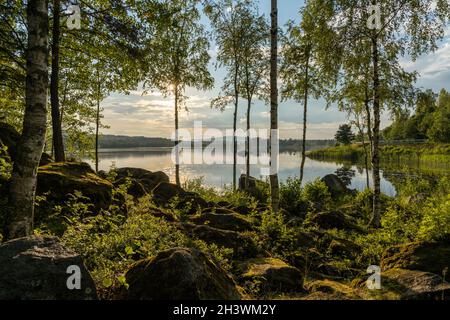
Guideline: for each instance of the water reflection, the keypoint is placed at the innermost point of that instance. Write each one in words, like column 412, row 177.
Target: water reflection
column 159, row 159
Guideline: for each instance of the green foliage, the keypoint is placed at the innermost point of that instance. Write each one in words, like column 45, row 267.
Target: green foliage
column 5, row 164
column 236, row 198
column 109, row 246
column 344, row 135
column 277, row 237
column 431, row 119
column 299, row 200
column 291, row 198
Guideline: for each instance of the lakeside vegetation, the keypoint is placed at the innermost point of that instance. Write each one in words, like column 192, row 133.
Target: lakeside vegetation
column 317, row 247
column 141, row 235
column 418, row 153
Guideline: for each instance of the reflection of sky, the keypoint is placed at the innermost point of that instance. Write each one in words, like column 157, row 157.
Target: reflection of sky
column 218, row 175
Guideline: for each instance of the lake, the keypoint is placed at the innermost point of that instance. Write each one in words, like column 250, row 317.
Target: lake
column 219, row 175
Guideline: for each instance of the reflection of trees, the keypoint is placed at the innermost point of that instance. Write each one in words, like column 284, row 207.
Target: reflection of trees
column 346, row 174
column 399, row 176
column 134, row 153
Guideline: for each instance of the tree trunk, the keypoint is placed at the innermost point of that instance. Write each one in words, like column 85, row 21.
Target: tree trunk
column 274, row 187
column 236, row 103
column 376, row 136
column 177, row 161
column 366, row 153
column 369, row 119
column 97, row 121
column 247, row 147
column 305, row 113
column 19, row 220
column 54, row 86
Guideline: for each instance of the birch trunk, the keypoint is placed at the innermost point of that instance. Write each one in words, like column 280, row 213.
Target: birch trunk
column 274, row 186
column 19, row 221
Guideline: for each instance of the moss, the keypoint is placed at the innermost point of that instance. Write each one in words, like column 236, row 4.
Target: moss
column 270, row 275
column 187, row 274
column 426, row 256
column 333, row 290
column 57, row 180
column 230, row 221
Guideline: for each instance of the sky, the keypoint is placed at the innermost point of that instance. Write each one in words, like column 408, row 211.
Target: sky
column 152, row 115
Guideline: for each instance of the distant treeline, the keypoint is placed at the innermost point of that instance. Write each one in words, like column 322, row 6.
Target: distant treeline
column 113, row 141
column 117, row 141
column 430, row 119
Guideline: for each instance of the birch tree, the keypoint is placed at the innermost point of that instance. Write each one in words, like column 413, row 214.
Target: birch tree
column 19, row 221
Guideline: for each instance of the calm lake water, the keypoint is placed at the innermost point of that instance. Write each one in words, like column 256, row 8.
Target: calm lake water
column 159, row 159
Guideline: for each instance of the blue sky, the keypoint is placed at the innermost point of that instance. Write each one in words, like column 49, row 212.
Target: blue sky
column 152, row 115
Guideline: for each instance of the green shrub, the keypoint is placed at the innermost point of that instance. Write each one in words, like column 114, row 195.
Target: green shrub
column 435, row 222
column 291, row 198
column 317, row 195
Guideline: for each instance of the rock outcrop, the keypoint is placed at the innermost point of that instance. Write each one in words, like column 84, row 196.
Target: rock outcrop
column 142, row 181
column 179, row 274
column 335, row 185
column 431, row 257
column 39, row 268
column 242, row 244
column 273, row 275
column 59, row 179
column 190, row 202
column 227, row 221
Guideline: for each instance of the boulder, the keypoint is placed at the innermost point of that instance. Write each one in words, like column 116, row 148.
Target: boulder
column 142, row 181
column 190, row 202
column 274, row 275
column 331, row 290
column 59, row 179
column 228, row 221
column 9, row 137
column 344, row 248
column 333, row 220
column 36, row 268
column 335, row 185
column 242, row 244
column 179, row 274
column 431, row 257
column 164, row 192
column 415, row 285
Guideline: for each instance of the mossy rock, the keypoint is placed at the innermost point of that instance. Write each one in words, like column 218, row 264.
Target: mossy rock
column 414, row 285
column 36, row 268
column 431, row 257
column 335, row 185
column 59, row 179
column 333, row 220
column 179, row 274
column 331, row 290
column 272, row 275
column 243, row 244
column 344, row 248
column 334, row 269
column 229, row 221
column 142, row 181
column 189, row 202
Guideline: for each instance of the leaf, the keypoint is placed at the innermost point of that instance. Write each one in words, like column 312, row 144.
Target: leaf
column 129, row 250
column 107, row 283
